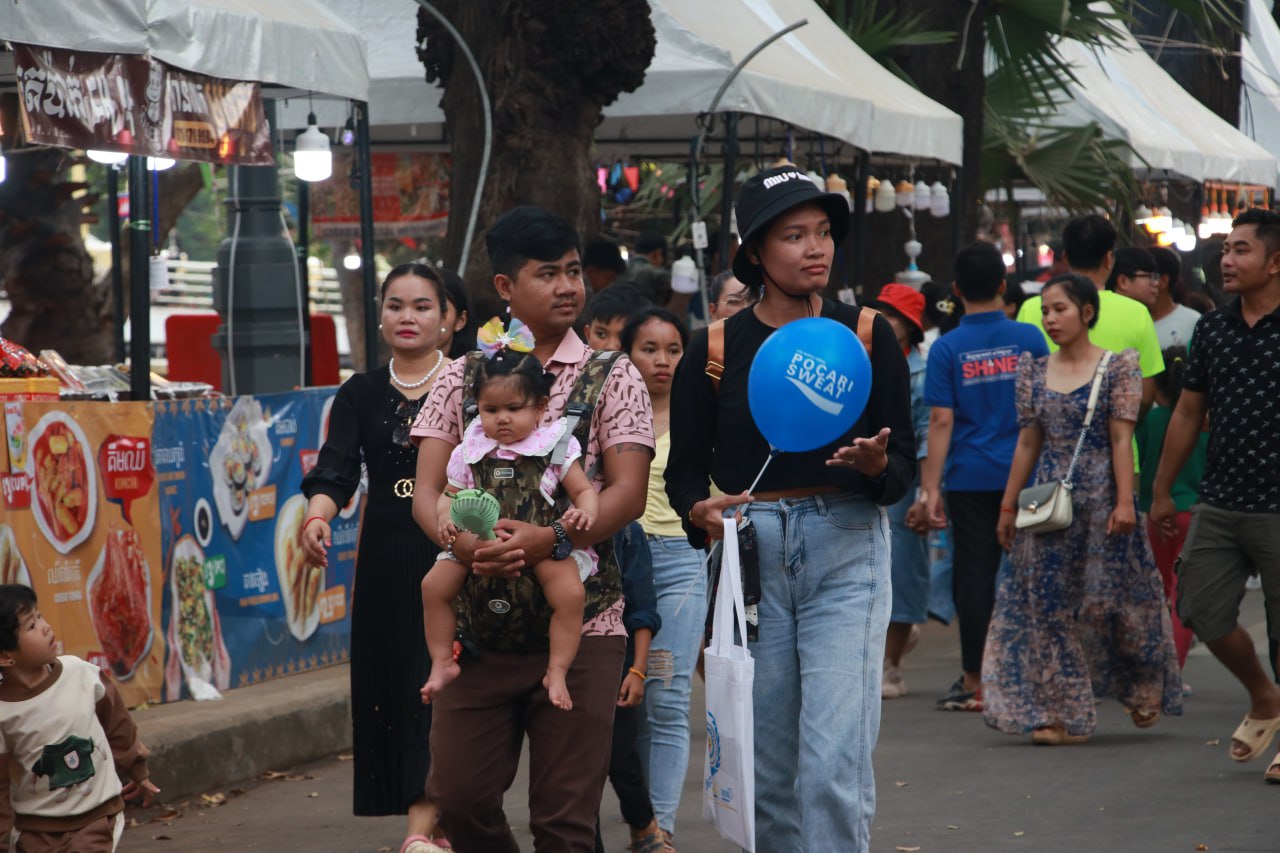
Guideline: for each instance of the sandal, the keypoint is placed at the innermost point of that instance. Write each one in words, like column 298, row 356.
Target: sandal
column 1255, row 734
column 1055, row 736
column 1143, row 719
column 420, row 844
column 1273, row 771
column 654, row 842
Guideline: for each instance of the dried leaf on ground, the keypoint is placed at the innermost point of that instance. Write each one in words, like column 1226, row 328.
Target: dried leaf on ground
column 313, row 794
column 298, row 777
column 271, row 775
column 952, row 826
column 1214, row 742
column 217, row 799
column 903, row 849
column 347, row 756
column 161, row 838
column 167, row 814
column 1019, row 834
column 902, row 784
column 1202, row 846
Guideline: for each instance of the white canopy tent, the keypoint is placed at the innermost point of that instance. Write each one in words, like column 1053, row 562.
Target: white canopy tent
column 299, row 45
column 814, row 78
column 1134, row 99
column 1260, row 87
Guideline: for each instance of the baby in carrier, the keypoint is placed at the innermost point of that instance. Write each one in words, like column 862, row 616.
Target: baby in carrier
column 506, row 451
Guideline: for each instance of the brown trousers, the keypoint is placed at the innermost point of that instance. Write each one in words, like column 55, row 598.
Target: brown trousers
column 96, row 837
column 478, row 726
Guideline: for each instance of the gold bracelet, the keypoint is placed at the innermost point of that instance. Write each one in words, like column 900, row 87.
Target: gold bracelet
column 634, row 671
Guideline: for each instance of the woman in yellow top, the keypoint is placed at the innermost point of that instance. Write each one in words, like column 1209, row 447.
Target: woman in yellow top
column 654, row 338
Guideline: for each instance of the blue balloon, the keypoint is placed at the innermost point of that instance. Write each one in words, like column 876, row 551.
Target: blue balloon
column 809, row 383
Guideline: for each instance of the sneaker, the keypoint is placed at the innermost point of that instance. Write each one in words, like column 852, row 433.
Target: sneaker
column 892, row 685
column 959, row 699
column 1254, row 583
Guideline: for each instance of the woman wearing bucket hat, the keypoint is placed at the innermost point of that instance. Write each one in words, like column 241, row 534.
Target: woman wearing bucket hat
column 904, row 308
column 820, row 520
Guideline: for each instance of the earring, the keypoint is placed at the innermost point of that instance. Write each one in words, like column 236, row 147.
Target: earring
column 442, row 330
column 508, row 307
column 379, row 327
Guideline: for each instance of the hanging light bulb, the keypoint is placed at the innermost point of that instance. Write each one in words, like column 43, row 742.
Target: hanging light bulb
column 939, row 200
column 873, row 184
column 1185, row 243
column 886, row 197
column 921, row 201
column 312, row 159
column 905, row 193
column 159, row 164
column 351, row 260
column 107, row 158
column 348, row 131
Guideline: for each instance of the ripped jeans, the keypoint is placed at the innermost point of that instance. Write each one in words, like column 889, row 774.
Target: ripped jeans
column 680, row 581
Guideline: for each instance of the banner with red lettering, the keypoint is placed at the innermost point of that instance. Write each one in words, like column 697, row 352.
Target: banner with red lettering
column 80, row 525
column 410, row 196
column 138, row 105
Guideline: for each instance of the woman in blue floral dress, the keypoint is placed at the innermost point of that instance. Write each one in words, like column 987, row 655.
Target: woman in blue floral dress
column 1045, row 649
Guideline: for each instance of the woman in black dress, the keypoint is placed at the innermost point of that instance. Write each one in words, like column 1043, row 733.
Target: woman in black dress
column 369, row 424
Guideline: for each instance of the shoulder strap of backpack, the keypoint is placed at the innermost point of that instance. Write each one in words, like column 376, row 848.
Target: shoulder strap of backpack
column 582, row 403
column 715, row 353
column 866, row 320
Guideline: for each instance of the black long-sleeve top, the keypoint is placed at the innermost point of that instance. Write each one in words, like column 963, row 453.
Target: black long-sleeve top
column 714, row 439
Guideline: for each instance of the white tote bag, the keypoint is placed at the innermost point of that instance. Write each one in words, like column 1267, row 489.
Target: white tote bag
column 729, row 774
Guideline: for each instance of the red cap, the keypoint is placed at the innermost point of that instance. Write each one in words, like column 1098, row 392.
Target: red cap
column 907, row 301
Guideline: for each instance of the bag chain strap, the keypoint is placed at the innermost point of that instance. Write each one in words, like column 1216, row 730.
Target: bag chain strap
column 1088, row 417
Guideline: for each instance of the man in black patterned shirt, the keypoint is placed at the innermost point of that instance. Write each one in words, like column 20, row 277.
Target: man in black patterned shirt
column 1233, row 379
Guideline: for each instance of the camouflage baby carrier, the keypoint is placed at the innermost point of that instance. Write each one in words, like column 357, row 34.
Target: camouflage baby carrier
column 512, row 615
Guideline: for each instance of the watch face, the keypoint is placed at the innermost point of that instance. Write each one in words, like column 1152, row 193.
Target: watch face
column 564, row 546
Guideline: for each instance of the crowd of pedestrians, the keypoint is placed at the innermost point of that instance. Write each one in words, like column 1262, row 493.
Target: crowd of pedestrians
column 1151, row 418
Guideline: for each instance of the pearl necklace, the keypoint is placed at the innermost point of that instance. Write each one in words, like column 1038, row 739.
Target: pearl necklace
column 391, row 366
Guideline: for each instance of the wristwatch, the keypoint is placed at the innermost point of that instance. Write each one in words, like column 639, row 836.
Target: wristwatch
column 564, row 545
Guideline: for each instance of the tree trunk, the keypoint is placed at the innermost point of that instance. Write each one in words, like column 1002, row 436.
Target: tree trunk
column 47, row 273
column 933, row 69
column 550, row 67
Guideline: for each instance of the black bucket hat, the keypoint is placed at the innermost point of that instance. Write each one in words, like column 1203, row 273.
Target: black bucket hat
column 771, row 193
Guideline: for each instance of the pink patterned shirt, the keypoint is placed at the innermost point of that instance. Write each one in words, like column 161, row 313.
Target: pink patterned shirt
column 623, row 414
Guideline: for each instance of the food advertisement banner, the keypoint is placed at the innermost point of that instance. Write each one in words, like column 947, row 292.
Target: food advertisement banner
column 239, row 605
column 138, row 105
column 80, row 525
column 410, row 196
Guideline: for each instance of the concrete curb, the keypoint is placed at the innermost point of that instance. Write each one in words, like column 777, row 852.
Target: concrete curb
column 198, row 746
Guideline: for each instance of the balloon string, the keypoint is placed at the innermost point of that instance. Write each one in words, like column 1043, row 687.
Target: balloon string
column 756, row 481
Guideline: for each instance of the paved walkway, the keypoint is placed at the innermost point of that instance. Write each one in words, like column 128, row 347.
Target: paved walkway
column 946, row 783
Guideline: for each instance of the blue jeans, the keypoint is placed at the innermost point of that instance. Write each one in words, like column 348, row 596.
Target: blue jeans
column 824, row 609
column 681, row 584
column 910, row 567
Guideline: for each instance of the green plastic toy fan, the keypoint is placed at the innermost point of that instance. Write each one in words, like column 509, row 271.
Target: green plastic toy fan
column 476, row 511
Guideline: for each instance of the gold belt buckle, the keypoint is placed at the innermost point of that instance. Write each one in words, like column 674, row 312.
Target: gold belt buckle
column 404, row 487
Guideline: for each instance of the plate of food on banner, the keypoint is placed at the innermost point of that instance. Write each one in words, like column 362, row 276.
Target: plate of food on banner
column 13, row 569
column 64, row 481
column 300, row 584
column 240, row 463
column 198, row 656
column 119, row 596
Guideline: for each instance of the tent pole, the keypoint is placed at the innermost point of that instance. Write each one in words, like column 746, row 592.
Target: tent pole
column 369, row 294
column 117, row 261
column 726, row 187
column 859, row 195
column 139, row 280
column 303, row 247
